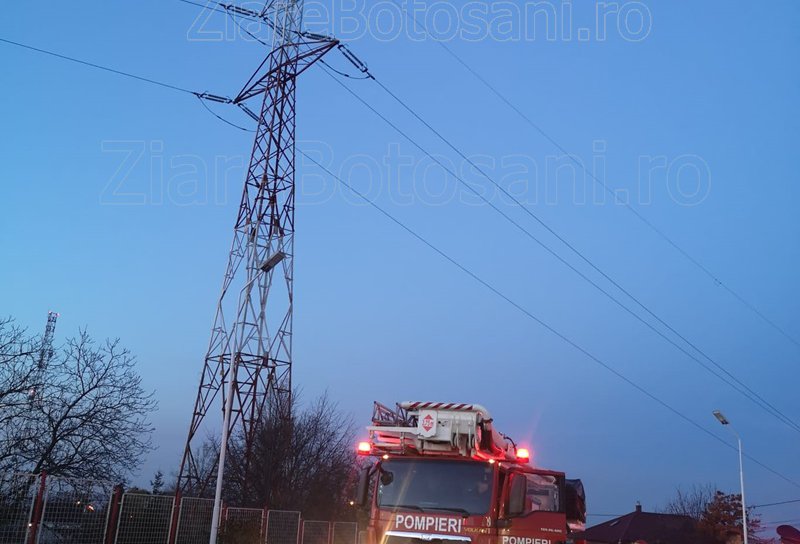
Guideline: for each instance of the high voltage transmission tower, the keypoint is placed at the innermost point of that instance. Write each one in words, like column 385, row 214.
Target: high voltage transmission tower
column 248, row 365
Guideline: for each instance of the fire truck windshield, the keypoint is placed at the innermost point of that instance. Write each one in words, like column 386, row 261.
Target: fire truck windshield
column 463, row 487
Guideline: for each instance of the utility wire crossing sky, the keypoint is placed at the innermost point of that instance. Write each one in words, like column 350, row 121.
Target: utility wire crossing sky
column 671, row 335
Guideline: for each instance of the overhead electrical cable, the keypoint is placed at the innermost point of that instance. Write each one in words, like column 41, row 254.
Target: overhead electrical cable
column 99, row 66
column 781, row 521
column 262, row 42
column 731, row 380
column 583, row 257
column 223, row 8
column 566, row 339
column 540, row 321
column 203, row 97
column 610, row 190
column 234, row 125
column 740, row 386
column 774, row 503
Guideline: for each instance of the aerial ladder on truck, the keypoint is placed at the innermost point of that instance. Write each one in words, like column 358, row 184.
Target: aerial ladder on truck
column 438, row 428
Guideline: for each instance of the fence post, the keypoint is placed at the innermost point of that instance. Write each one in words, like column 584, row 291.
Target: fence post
column 223, row 519
column 176, row 512
column 113, row 515
column 263, row 530
column 38, row 506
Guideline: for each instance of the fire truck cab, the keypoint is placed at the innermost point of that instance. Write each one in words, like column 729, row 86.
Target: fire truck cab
column 443, row 474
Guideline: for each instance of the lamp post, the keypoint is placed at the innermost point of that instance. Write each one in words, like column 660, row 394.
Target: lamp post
column 722, row 419
column 235, row 340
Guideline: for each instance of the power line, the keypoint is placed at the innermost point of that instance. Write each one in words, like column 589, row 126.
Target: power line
column 610, row 190
column 234, row 11
column 775, row 503
column 782, row 521
column 99, row 67
column 225, row 8
column 751, row 506
column 765, row 505
column 220, row 8
column 735, row 384
column 541, row 322
column 262, row 42
column 772, row 409
column 234, row 125
column 444, row 255
column 203, row 97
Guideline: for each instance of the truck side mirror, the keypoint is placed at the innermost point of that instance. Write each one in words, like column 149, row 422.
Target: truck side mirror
column 362, row 490
column 516, row 495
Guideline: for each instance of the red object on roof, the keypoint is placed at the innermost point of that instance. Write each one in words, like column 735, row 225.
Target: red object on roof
column 788, row 534
column 645, row 526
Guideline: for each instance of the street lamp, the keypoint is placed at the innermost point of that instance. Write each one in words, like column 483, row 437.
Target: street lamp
column 233, row 370
column 722, row 419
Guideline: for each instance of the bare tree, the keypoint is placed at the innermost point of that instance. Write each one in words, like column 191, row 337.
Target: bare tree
column 206, row 460
column 90, row 414
column 692, row 502
column 306, row 462
column 718, row 515
column 17, row 376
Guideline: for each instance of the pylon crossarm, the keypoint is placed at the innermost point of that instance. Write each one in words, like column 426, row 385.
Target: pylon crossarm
column 308, row 51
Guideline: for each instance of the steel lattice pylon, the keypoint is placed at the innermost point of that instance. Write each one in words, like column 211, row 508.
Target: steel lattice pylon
column 251, row 340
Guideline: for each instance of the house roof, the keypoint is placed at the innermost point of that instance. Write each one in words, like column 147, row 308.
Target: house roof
column 648, row 526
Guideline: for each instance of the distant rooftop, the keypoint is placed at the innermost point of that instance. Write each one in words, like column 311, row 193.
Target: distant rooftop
column 651, row 527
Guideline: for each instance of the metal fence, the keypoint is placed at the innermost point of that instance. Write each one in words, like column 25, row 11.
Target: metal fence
column 38, row 509
column 243, row 525
column 144, row 519
column 283, row 527
column 345, row 532
column 74, row 511
column 194, row 520
column 16, row 506
column 316, row 532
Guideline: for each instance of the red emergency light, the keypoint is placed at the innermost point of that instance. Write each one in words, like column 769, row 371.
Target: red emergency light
column 523, row 455
column 364, row 448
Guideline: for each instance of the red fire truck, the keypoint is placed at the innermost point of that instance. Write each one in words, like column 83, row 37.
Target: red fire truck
column 444, row 475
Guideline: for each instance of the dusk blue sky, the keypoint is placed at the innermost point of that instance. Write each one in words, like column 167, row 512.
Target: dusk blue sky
column 136, row 249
